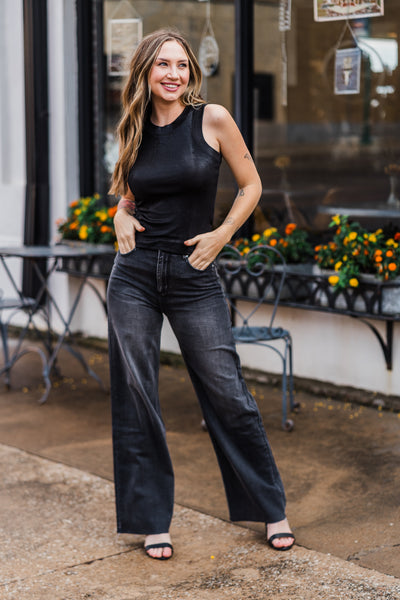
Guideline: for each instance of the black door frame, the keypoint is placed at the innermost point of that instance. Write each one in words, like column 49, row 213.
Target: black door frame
column 37, row 197
column 244, row 84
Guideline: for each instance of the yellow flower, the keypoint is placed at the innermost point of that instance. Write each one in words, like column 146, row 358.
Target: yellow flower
column 336, row 219
column 269, row 232
column 83, row 232
column 372, row 238
column 378, row 231
column 333, row 279
column 77, row 211
column 101, row 214
column 352, row 235
column 255, row 237
column 391, row 242
column 96, row 196
column 338, row 265
column 353, row 282
column 344, row 258
column 246, row 250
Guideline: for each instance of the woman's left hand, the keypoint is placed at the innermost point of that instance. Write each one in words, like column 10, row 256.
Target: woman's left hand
column 208, row 246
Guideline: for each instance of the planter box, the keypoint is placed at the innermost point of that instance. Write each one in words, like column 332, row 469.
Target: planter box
column 77, row 266
column 242, row 283
column 372, row 296
column 391, row 297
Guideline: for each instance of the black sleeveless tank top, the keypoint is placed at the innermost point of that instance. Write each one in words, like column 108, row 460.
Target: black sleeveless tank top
column 174, row 181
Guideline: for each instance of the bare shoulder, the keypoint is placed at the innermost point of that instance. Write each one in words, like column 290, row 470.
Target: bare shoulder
column 217, row 116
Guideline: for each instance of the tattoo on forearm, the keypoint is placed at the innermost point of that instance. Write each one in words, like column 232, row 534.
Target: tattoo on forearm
column 231, row 221
column 247, row 155
column 129, row 205
column 241, row 193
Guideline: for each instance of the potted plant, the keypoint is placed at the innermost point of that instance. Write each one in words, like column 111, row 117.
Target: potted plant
column 89, row 221
column 293, row 244
column 355, row 255
column 296, row 249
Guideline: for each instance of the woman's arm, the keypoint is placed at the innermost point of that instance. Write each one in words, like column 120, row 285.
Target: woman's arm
column 221, row 132
column 125, row 223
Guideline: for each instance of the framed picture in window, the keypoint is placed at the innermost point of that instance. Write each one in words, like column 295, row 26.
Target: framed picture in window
column 335, row 10
column 347, row 71
column 124, row 36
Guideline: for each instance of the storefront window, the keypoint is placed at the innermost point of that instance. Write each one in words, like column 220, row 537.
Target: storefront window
column 124, row 23
column 319, row 152
column 325, row 152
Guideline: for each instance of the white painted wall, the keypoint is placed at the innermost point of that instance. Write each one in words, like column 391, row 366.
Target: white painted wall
column 327, row 347
column 12, row 131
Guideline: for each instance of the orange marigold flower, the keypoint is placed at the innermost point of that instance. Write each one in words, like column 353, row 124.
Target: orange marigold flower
column 105, row 229
column 74, row 225
column 397, row 236
column 318, row 248
column 273, row 242
column 74, row 203
column 389, row 253
column 111, row 211
column 392, row 266
column 378, row 251
column 378, row 258
column 290, row 227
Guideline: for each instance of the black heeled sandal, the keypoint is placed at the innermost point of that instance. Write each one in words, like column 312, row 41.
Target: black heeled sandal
column 277, row 536
column 160, row 545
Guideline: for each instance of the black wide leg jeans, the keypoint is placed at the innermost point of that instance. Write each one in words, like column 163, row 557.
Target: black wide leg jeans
column 144, row 285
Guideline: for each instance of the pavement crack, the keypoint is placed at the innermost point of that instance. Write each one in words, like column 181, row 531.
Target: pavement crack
column 363, row 553
column 66, row 568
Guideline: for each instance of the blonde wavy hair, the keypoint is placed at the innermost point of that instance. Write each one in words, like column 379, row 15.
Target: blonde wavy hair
column 136, row 99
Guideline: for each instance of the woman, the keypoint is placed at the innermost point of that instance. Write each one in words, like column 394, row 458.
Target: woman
column 171, row 144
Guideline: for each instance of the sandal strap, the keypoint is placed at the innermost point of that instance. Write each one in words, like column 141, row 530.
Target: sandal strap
column 277, row 536
column 160, row 545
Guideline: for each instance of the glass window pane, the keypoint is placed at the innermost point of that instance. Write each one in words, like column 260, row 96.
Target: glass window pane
column 328, row 152
column 190, row 18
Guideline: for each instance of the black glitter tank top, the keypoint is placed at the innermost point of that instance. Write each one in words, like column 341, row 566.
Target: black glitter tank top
column 174, row 181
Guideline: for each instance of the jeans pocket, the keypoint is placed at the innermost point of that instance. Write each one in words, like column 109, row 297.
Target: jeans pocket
column 128, row 253
column 186, row 258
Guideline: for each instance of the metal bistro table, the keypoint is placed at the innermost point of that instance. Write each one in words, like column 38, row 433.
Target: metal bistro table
column 54, row 257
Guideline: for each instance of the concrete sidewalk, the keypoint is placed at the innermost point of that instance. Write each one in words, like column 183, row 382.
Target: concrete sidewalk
column 340, row 467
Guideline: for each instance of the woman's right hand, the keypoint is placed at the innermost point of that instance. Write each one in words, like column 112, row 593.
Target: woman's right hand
column 125, row 228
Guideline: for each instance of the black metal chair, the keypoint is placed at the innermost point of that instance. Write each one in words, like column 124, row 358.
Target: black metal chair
column 259, row 277
column 8, row 308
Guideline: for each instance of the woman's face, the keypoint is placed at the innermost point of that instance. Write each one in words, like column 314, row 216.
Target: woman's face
column 170, row 73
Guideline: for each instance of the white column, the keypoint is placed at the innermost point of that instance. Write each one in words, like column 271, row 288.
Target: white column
column 12, row 123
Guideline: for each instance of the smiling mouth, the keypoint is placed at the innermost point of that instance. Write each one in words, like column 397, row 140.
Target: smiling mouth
column 170, row 86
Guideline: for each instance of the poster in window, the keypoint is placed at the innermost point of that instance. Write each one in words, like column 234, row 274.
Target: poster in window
column 285, row 14
column 347, row 71
column 335, row 10
column 124, row 36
